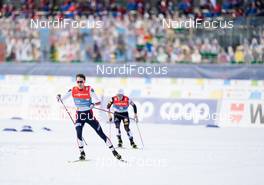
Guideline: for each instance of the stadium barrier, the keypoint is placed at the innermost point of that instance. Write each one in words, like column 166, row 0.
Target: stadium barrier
column 160, row 100
column 142, row 70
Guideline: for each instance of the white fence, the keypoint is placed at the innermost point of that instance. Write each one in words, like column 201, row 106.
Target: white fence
column 205, row 101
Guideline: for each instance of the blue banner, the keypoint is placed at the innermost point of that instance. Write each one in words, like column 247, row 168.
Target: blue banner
column 212, row 71
column 176, row 111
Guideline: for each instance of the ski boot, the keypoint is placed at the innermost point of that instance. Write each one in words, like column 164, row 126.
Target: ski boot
column 132, row 143
column 82, row 156
column 117, row 155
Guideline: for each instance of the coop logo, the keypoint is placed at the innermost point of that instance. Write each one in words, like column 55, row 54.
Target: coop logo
column 256, row 113
column 188, row 111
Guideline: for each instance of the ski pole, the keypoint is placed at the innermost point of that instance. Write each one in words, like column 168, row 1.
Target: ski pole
column 110, row 132
column 140, row 135
column 123, row 117
column 108, row 111
column 70, row 116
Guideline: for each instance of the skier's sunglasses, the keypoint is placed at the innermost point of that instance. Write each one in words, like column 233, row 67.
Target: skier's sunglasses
column 80, row 82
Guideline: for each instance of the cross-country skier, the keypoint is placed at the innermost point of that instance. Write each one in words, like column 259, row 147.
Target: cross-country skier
column 120, row 104
column 85, row 99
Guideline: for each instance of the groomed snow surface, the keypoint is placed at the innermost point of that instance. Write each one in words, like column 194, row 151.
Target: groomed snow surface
column 173, row 155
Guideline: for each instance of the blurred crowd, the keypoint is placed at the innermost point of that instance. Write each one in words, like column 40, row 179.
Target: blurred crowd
column 130, row 33
column 70, row 8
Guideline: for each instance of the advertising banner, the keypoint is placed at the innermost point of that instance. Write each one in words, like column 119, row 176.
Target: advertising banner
column 177, row 111
column 241, row 113
column 159, row 100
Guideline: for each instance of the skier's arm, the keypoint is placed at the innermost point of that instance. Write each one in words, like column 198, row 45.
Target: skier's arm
column 108, row 107
column 110, row 104
column 135, row 110
column 65, row 96
column 94, row 97
column 134, row 106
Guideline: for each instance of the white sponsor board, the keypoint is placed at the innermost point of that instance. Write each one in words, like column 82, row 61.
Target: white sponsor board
column 34, row 97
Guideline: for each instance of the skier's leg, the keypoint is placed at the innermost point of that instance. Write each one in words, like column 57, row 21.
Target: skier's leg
column 117, row 121
column 79, row 129
column 79, row 123
column 98, row 129
column 127, row 129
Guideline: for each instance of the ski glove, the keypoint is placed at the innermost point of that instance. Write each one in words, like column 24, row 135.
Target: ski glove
column 58, row 97
column 92, row 106
column 110, row 119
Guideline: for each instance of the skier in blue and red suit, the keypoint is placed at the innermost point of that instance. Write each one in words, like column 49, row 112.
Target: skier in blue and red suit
column 85, row 99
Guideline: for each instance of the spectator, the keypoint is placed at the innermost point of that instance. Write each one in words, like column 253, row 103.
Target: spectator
column 231, row 55
column 162, row 56
column 248, row 55
column 134, row 32
column 251, row 10
column 222, row 57
column 239, row 54
column 196, row 56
